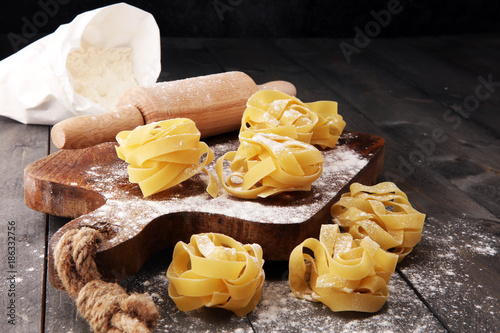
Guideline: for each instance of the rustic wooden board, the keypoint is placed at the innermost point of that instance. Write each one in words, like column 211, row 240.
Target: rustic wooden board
column 93, row 184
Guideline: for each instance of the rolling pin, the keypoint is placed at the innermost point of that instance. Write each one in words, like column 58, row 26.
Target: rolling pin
column 214, row 102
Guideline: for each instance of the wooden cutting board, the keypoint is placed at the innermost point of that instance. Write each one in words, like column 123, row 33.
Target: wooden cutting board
column 91, row 185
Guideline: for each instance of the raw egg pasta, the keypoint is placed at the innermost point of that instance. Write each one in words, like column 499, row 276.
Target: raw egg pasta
column 214, row 270
column 267, row 164
column 271, row 111
column 164, row 154
column 343, row 273
column 381, row 212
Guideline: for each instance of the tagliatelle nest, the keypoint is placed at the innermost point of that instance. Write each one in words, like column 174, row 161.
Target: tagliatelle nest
column 383, row 213
column 164, row 154
column 214, row 270
column 267, row 164
column 271, row 111
column 343, row 273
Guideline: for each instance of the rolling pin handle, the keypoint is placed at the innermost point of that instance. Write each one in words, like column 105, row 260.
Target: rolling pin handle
column 283, row 86
column 86, row 131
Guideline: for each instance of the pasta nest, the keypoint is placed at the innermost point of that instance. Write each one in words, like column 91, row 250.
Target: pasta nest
column 345, row 274
column 381, row 212
column 271, row 111
column 267, row 164
column 164, row 154
column 214, row 270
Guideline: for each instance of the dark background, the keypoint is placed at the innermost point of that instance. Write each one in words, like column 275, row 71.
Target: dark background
column 265, row 18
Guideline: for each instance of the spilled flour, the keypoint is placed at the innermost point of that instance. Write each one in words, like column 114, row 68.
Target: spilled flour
column 446, row 267
column 280, row 311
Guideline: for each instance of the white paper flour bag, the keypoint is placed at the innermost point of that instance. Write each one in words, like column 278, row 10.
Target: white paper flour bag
column 105, row 46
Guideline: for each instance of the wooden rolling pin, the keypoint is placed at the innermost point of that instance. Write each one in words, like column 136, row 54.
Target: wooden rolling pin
column 214, row 102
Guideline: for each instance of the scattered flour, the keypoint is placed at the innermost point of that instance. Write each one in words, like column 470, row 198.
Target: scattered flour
column 446, row 277
column 280, row 311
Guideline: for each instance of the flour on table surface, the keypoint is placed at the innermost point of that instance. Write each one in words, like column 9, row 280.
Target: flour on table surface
column 445, row 277
column 173, row 320
column 280, row 311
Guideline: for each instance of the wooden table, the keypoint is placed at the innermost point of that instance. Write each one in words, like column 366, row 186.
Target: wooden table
column 431, row 101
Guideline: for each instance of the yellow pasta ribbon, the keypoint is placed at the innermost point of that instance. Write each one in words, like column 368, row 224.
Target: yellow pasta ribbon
column 271, row 111
column 267, row 164
column 164, row 154
column 214, row 270
column 343, row 273
column 381, row 212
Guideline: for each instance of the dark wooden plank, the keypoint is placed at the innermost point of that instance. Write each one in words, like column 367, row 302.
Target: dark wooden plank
column 396, row 94
column 280, row 311
column 446, row 69
column 411, row 117
column 374, row 90
column 452, row 65
column 477, row 54
column 400, row 110
column 22, row 260
column 451, row 70
column 184, row 58
column 455, row 267
column 61, row 314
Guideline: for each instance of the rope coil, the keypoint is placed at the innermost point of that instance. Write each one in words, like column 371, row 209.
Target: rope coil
column 106, row 306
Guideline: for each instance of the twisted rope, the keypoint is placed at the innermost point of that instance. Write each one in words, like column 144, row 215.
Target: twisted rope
column 106, row 306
